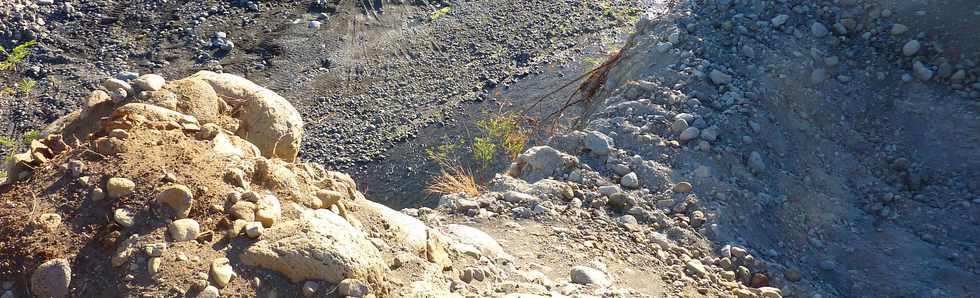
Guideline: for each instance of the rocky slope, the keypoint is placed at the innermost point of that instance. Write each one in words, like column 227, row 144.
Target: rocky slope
column 178, row 190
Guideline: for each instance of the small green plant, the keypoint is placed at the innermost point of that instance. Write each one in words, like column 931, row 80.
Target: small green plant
column 508, row 131
column 445, row 154
column 440, row 12
column 515, row 142
column 7, row 90
column 7, row 142
column 27, row 85
column 29, row 136
column 16, row 55
column 483, row 151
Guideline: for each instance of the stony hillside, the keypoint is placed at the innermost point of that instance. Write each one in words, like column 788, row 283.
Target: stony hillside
column 192, row 187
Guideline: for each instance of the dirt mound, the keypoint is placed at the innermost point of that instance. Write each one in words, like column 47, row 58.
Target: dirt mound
column 149, row 201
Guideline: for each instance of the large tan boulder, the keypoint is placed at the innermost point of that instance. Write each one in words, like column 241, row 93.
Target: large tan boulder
column 319, row 246
column 190, row 96
column 267, row 119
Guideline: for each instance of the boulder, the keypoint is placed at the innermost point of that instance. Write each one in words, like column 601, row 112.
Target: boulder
column 588, row 276
column 119, row 187
column 477, row 238
column 408, row 230
column 51, row 279
column 541, row 162
column 149, row 82
column 598, row 143
column 319, row 246
column 190, row 96
column 268, row 210
column 267, row 119
column 184, row 230
column 179, row 198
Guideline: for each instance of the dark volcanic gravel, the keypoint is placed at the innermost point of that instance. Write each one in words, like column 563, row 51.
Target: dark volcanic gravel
column 364, row 80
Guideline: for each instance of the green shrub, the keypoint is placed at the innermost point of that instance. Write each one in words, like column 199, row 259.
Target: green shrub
column 483, row 151
column 16, row 55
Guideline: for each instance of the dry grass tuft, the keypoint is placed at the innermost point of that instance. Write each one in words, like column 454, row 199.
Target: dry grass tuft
column 455, row 180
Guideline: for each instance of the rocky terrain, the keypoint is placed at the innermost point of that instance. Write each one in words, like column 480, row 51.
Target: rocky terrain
column 732, row 148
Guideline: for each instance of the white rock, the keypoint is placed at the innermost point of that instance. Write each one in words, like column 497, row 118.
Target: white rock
column 208, row 292
column 711, row 133
column 517, row 197
column 408, row 230
column 779, row 20
column 184, row 230
column 254, row 229
column 689, row 134
column 477, row 238
column 541, row 162
column 179, row 198
column 609, row 190
column 695, row 267
column 756, row 164
column 319, row 246
column 150, row 82
column 353, row 288
column 268, row 120
column 586, row 275
column 123, row 217
column 899, row 29
column 921, row 71
column 221, row 272
column 630, row 181
column 119, row 187
column 679, row 125
column 113, row 84
column 598, row 143
column 153, row 265
column 719, row 78
column 818, row 30
column 911, row 48
column 268, row 210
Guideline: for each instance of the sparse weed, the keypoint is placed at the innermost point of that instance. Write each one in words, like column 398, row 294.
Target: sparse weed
column 454, row 180
column 445, row 155
column 440, row 12
column 592, row 60
column 27, row 85
column 515, row 142
column 7, row 142
column 7, row 90
column 29, row 136
column 16, row 55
